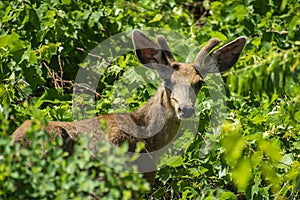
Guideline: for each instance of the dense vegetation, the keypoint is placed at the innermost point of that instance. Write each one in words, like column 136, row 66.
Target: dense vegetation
column 256, row 155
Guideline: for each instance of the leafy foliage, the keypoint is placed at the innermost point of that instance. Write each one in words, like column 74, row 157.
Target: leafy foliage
column 256, row 155
column 42, row 170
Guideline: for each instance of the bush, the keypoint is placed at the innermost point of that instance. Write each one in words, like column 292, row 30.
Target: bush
column 256, row 154
column 42, row 170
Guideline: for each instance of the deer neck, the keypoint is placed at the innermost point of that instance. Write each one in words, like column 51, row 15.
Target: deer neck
column 159, row 118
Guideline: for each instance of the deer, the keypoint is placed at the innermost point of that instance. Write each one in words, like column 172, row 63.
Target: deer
column 157, row 122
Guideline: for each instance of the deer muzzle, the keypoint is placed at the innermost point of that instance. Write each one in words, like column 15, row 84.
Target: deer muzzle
column 185, row 112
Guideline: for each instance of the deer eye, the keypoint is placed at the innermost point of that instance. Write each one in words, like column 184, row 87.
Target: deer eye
column 175, row 66
column 198, row 85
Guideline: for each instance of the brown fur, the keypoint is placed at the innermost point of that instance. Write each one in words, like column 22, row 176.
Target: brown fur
column 156, row 123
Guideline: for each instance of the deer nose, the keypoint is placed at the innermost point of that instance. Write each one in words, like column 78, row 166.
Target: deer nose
column 186, row 112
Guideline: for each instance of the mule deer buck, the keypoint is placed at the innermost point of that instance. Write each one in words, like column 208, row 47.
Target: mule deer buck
column 156, row 123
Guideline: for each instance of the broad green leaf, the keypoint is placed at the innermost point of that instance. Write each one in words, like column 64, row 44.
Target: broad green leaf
column 174, row 161
column 218, row 35
column 33, row 57
column 12, row 41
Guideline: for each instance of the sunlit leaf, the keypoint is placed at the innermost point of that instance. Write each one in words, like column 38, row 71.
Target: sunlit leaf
column 156, row 18
column 242, row 174
column 174, row 161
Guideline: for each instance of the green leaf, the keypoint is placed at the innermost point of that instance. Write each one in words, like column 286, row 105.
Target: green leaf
column 256, row 41
column 66, row 2
column 30, row 56
column 228, row 196
column 255, row 187
column 174, row 161
column 6, row 94
column 240, row 12
column 32, row 77
column 156, row 18
column 49, row 50
column 219, row 35
column 242, row 174
column 271, row 149
column 8, row 40
column 297, row 116
column 258, row 119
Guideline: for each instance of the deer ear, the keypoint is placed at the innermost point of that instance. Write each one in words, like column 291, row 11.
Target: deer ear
column 147, row 51
column 226, row 56
column 222, row 59
column 165, row 48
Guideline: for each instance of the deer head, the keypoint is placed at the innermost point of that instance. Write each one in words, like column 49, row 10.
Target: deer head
column 184, row 80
